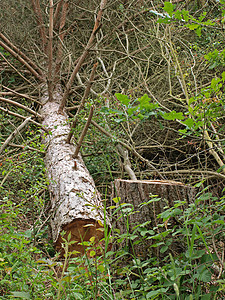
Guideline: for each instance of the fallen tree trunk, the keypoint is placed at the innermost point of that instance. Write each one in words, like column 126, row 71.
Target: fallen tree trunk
column 135, row 192
column 75, row 200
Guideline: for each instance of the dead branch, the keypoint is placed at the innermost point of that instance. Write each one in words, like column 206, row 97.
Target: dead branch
column 83, row 133
column 57, row 12
column 26, row 147
column 23, row 117
column 50, row 53
column 61, row 38
column 86, row 93
column 126, row 146
column 21, row 60
column 21, row 75
column 23, row 55
column 21, row 106
column 13, row 92
column 84, row 55
column 40, row 22
column 13, row 134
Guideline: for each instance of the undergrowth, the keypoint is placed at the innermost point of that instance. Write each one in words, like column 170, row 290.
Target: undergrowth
column 28, row 271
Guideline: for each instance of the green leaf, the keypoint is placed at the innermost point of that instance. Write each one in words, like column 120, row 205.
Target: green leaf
column 189, row 123
column 156, row 293
column 92, row 253
column 169, row 8
column 173, row 115
column 123, row 98
column 192, row 26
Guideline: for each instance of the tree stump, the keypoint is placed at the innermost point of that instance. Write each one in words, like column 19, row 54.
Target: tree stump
column 136, row 192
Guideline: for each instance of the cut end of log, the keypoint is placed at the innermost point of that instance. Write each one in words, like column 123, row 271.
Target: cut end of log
column 81, row 231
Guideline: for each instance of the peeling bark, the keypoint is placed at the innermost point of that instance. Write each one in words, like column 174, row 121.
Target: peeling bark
column 74, row 197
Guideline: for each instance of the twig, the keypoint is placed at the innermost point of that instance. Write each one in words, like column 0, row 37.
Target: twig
column 26, row 147
column 61, row 38
column 40, row 22
column 50, row 54
column 21, row 106
column 22, row 95
column 26, row 58
column 23, row 61
column 84, row 132
column 83, row 55
column 23, row 117
column 87, row 90
column 21, row 75
column 126, row 146
column 13, row 134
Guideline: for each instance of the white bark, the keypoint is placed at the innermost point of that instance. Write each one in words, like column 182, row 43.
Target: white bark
column 72, row 189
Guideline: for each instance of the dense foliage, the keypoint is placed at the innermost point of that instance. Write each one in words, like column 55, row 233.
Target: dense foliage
column 160, row 92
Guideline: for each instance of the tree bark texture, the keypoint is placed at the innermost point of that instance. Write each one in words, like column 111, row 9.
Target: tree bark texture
column 137, row 192
column 75, row 201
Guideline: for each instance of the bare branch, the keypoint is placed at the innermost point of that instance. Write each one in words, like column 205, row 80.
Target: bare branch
column 21, row 95
column 126, row 146
column 24, row 56
column 86, row 93
column 20, row 59
column 27, row 147
column 21, row 106
column 83, row 56
column 84, row 132
column 23, row 117
column 126, row 162
column 40, row 22
column 50, row 52
column 21, row 75
column 61, row 38
column 57, row 12
column 13, row 134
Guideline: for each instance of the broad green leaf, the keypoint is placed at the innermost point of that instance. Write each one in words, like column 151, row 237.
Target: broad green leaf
column 92, row 253
column 189, row 123
column 169, row 8
column 173, row 115
column 123, row 98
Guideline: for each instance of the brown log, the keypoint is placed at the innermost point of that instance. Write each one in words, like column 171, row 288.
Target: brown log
column 136, row 192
